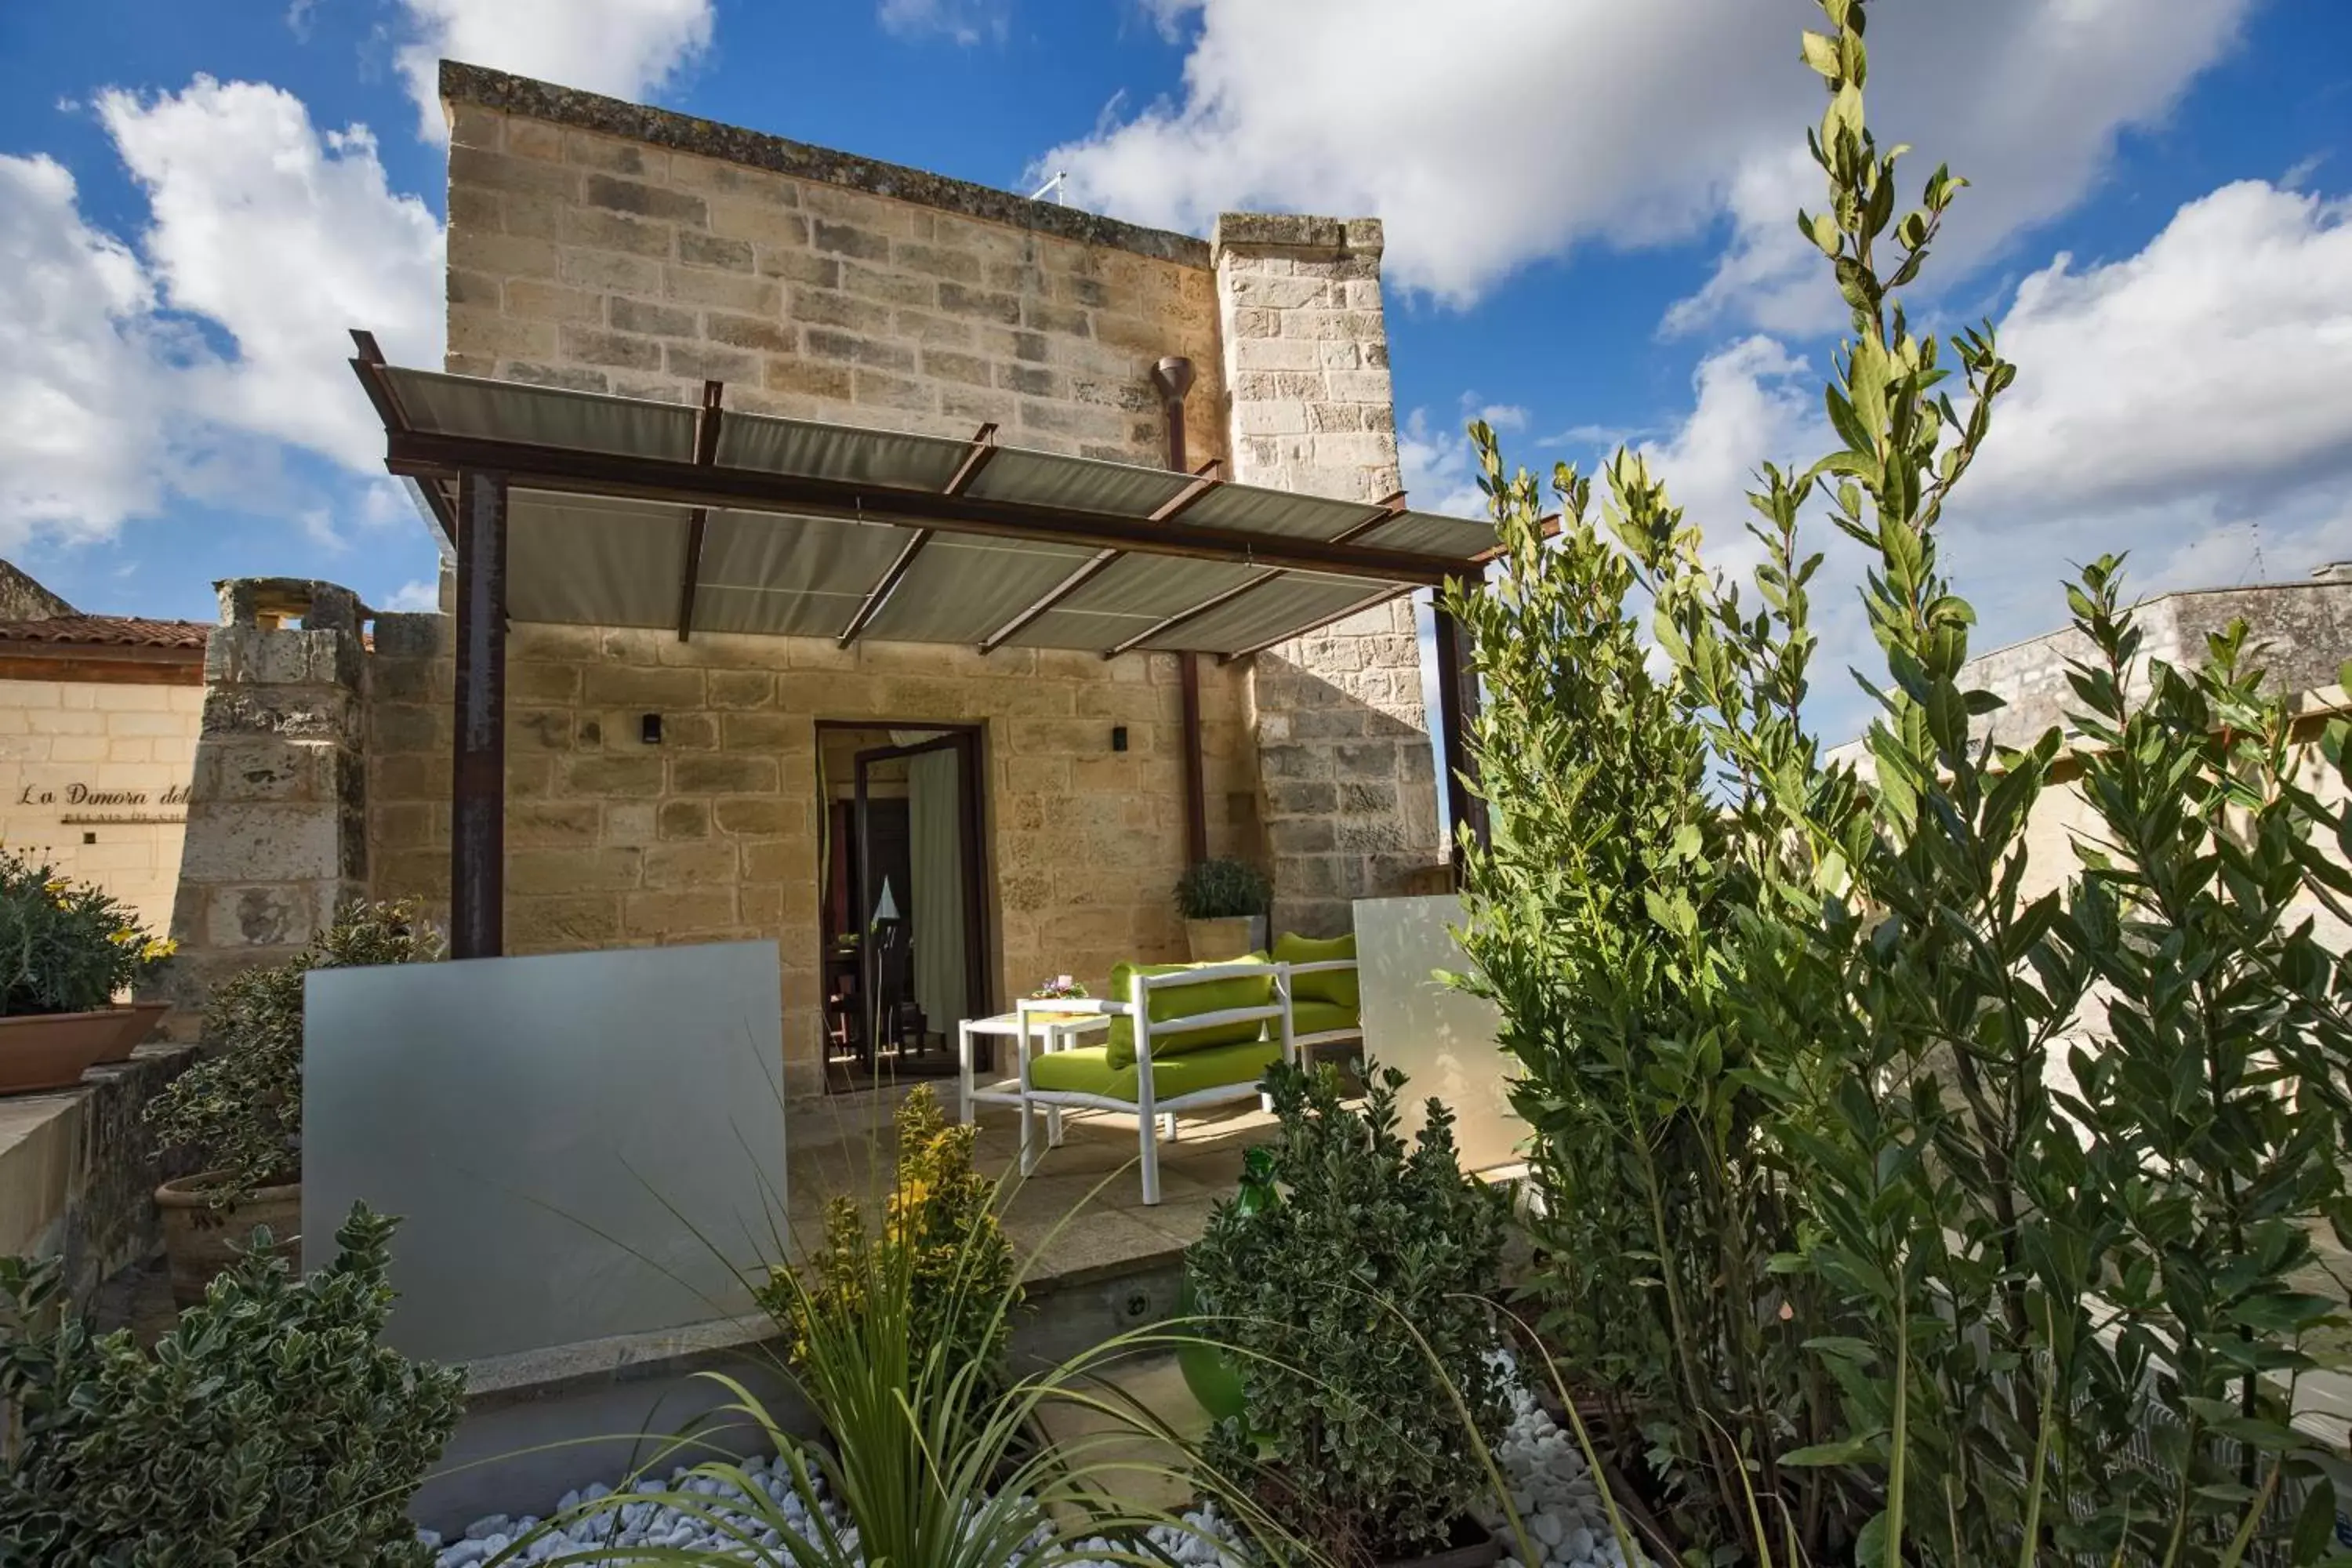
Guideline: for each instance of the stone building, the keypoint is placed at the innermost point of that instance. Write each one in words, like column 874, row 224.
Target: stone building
column 98, row 735
column 663, row 754
column 2299, row 633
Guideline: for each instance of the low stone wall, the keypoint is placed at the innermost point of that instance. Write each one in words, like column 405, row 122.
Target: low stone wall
column 78, row 1169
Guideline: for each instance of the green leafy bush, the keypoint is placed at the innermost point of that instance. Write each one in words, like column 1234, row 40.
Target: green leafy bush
column 1354, row 1303
column 1865, row 1283
column 928, row 1457
column 64, row 947
column 1221, row 889
column 266, row 1430
column 240, row 1108
column 940, row 1216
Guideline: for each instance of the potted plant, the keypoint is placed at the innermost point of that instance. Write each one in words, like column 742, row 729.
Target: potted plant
column 268, row 1428
column 67, row 951
column 1351, row 1292
column 1223, row 903
column 237, row 1113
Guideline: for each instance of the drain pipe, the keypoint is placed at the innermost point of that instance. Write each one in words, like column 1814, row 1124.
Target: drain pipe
column 1172, row 378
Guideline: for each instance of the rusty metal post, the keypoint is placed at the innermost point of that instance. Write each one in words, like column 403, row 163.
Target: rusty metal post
column 1457, row 708
column 479, row 779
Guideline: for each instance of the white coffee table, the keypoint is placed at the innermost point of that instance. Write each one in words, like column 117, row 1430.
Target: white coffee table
column 1054, row 1034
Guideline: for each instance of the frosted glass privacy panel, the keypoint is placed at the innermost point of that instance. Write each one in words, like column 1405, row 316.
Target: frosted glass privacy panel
column 1443, row 1039
column 537, row 1121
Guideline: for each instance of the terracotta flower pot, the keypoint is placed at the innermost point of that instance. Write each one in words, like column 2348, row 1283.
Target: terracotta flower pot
column 50, row 1050
column 201, row 1241
column 139, row 1021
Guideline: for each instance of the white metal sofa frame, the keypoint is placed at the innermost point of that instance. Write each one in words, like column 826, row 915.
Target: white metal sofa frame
column 1309, row 1043
column 1146, row 1108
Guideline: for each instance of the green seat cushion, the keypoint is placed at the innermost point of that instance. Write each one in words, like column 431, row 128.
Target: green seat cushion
column 1189, row 1001
column 1090, row 1070
column 1333, row 985
column 1322, row 1018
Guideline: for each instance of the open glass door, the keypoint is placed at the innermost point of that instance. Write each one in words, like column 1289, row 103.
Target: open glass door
column 923, row 942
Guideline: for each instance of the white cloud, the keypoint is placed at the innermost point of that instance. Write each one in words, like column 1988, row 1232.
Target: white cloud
column 2191, row 404
column 286, row 237
column 965, row 22
column 411, row 596
column 192, row 364
column 1440, row 470
column 2219, row 358
column 628, row 48
column 1503, row 131
column 81, row 409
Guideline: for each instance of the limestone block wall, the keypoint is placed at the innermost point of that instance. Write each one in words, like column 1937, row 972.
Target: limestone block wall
column 1348, row 783
column 2300, row 634
column 277, row 829
column 94, row 779
column 599, row 245
column 713, row 833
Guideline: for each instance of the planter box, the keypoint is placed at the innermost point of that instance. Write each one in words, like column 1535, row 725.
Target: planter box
column 1221, row 941
column 51, row 1050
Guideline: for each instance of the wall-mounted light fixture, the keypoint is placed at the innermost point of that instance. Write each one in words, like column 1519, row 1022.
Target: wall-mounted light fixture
column 650, row 729
column 1118, row 738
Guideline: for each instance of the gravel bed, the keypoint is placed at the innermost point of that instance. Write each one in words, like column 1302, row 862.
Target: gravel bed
column 1552, row 1487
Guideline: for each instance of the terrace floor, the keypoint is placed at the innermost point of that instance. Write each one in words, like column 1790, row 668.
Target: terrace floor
column 1083, row 1205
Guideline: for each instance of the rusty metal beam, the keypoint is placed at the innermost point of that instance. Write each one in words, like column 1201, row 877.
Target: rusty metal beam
column 983, row 448
column 565, row 470
column 1389, row 508
column 880, row 593
column 706, row 452
column 1359, row 607
column 1093, row 567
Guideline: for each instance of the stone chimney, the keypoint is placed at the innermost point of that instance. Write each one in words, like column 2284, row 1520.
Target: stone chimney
column 1348, row 780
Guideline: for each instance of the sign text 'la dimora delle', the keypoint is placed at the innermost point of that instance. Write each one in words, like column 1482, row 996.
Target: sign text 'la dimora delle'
column 80, row 793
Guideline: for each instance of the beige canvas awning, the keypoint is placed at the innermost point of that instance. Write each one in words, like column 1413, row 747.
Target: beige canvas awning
column 622, row 511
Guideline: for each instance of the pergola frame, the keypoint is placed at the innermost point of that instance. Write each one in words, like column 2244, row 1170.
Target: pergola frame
column 467, row 481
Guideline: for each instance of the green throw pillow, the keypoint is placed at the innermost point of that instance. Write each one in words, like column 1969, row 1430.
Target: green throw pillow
column 1183, row 1001
column 1337, row 986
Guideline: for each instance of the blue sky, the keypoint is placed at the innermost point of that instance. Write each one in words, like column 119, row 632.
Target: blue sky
column 1589, row 211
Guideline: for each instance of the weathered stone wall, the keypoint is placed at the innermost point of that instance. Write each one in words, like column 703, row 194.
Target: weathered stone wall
column 712, row 833
column 73, row 753
column 277, row 828
column 1350, row 789
column 78, row 1169
column 2303, row 632
column 597, row 245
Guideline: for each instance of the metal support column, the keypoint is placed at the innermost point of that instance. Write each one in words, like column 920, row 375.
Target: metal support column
column 479, row 783
column 1457, row 709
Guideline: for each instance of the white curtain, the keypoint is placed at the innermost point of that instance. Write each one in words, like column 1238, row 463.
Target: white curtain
column 936, row 902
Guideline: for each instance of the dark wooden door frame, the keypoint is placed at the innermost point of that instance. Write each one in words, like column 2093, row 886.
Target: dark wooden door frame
column 964, row 739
